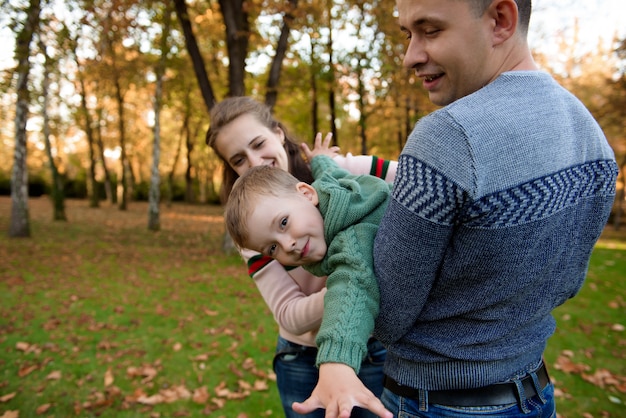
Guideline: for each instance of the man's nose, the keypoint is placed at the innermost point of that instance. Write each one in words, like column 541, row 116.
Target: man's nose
column 415, row 54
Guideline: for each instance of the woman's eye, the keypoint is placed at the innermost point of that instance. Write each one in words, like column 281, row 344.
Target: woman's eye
column 237, row 162
column 259, row 144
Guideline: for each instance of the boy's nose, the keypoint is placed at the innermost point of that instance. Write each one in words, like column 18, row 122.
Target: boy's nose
column 288, row 244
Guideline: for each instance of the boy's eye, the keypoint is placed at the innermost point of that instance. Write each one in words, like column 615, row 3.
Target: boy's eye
column 283, row 222
column 271, row 250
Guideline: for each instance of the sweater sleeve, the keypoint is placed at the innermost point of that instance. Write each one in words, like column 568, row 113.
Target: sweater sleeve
column 352, row 300
column 292, row 308
column 368, row 164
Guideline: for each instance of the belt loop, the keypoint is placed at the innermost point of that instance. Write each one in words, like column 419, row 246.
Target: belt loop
column 538, row 387
column 423, row 400
column 521, row 395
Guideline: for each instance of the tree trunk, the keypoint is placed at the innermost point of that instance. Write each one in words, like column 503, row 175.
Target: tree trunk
column 362, row 110
column 170, row 176
column 20, row 223
column 189, row 194
column 194, row 53
column 108, row 182
column 237, row 35
column 314, row 96
column 58, row 200
column 271, row 93
column 123, row 183
column 94, row 196
column 331, row 92
column 154, row 197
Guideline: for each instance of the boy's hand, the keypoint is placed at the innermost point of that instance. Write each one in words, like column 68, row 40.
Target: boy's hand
column 338, row 391
column 320, row 148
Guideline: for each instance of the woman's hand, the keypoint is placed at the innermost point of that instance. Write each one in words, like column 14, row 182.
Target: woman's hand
column 320, row 147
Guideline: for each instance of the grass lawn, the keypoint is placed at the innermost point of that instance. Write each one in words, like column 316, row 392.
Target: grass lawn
column 101, row 317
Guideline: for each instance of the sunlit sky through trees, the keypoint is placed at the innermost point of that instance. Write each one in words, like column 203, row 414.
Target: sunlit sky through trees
column 598, row 21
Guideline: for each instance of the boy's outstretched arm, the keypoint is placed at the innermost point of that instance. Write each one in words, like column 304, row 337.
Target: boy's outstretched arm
column 338, row 391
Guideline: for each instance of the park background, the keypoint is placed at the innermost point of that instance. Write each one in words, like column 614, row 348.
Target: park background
column 118, row 296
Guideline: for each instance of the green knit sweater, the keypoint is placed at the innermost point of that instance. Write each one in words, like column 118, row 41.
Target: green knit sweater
column 352, row 207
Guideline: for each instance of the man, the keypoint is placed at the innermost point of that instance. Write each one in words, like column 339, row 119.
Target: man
column 498, row 201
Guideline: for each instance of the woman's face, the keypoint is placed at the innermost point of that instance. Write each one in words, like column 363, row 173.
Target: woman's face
column 245, row 142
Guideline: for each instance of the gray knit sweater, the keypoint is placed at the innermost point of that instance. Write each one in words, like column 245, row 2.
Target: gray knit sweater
column 498, row 201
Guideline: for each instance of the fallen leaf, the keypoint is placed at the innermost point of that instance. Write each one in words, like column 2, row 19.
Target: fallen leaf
column 26, row 370
column 150, row 400
column 55, row 375
column 221, row 390
column 22, row 346
column 617, row 328
column 43, row 408
column 11, row 414
column 565, row 364
column 147, row 372
column 243, row 385
column 200, row 395
column 177, row 347
column 7, row 397
column 260, row 385
column 218, row 402
column 108, row 378
column 248, row 364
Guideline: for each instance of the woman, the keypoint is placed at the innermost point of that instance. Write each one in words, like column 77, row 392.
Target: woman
column 244, row 134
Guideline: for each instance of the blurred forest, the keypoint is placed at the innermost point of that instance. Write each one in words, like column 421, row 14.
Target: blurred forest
column 108, row 99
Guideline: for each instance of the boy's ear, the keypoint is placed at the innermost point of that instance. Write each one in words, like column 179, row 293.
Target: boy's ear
column 308, row 191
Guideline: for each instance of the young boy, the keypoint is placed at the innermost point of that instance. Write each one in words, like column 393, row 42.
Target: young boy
column 328, row 228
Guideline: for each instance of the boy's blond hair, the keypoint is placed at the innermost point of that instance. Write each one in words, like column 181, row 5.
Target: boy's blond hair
column 255, row 183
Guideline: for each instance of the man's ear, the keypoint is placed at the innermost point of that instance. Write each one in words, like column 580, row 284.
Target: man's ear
column 308, row 191
column 504, row 14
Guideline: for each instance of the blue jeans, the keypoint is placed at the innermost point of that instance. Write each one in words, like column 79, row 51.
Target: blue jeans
column 535, row 407
column 297, row 375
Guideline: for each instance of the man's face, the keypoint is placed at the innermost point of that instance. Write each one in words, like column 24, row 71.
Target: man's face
column 289, row 228
column 450, row 48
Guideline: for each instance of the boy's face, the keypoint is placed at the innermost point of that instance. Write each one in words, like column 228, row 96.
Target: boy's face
column 289, row 228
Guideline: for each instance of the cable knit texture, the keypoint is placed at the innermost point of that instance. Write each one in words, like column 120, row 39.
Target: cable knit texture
column 352, row 207
column 498, row 201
